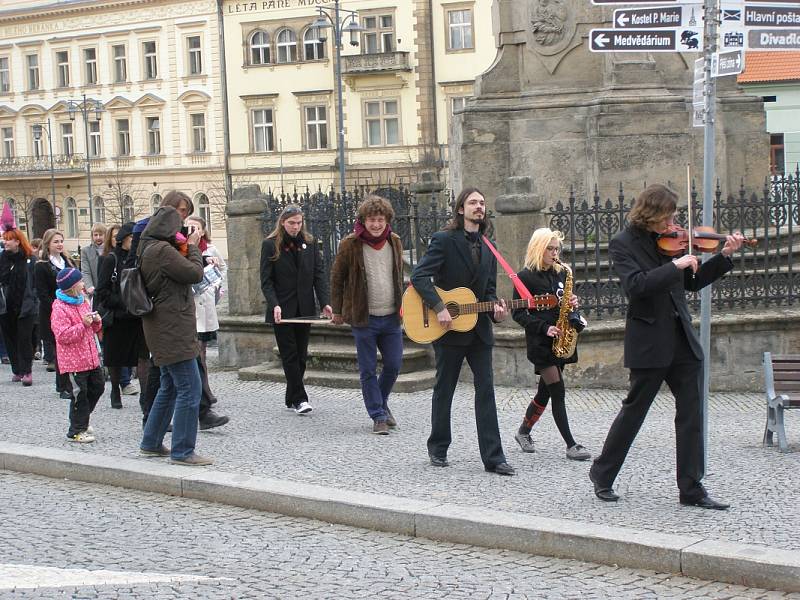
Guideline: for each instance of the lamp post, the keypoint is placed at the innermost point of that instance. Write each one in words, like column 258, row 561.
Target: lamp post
column 37, row 135
column 85, row 106
column 331, row 17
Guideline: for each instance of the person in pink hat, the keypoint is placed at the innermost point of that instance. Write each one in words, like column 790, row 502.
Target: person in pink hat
column 74, row 326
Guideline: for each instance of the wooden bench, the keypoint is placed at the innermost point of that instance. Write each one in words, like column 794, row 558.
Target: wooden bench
column 782, row 382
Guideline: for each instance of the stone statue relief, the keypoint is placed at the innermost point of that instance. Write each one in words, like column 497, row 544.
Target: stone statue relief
column 552, row 30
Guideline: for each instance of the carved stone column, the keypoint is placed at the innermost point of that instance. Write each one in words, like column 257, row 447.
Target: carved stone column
column 244, row 251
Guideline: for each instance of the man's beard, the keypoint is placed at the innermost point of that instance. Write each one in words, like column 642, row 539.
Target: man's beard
column 475, row 221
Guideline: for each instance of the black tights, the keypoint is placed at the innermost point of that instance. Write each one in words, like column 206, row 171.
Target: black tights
column 551, row 385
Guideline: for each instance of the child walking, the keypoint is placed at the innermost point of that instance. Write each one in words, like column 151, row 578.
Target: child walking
column 74, row 326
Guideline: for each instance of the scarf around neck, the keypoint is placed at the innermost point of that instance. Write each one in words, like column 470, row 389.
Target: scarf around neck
column 365, row 236
column 74, row 300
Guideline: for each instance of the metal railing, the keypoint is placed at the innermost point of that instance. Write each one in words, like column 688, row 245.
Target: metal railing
column 39, row 165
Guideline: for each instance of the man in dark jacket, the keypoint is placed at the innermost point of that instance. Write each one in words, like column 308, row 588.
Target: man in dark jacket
column 660, row 343
column 457, row 257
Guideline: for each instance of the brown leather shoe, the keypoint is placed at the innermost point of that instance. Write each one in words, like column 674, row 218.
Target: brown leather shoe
column 380, row 428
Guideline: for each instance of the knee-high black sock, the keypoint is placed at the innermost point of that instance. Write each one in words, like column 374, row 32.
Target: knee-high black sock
column 557, row 393
column 535, row 408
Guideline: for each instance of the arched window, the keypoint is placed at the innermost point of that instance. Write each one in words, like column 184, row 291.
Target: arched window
column 99, row 206
column 313, row 48
column 72, row 217
column 203, row 209
column 128, row 209
column 287, row 46
column 259, row 48
column 155, row 203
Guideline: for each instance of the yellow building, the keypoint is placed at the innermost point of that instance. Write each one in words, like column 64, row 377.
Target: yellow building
column 132, row 85
column 411, row 64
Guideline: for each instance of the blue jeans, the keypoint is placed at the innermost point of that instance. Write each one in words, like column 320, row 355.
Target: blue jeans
column 382, row 333
column 179, row 394
column 125, row 376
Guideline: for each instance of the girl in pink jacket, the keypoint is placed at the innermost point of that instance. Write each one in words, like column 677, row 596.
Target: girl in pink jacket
column 74, row 326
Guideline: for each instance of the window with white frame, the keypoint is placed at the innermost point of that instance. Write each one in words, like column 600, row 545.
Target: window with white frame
column 259, row 48
column 153, row 126
column 287, row 46
column 62, row 68
column 198, row 121
column 204, row 210
column 378, row 35
column 90, row 66
column 67, row 139
column 128, row 209
column 7, row 133
column 95, row 137
column 316, row 127
column 263, row 130
column 119, row 53
column 99, row 206
column 155, row 203
column 123, row 137
column 195, row 55
column 382, row 122
column 37, row 142
column 32, row 62
column 459, row 29
column 150, row 60
column 5, row 74
column 72, row 217
column 313, row 48
column 458, row 103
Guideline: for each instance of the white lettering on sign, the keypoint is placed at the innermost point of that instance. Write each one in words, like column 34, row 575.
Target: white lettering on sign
column 772, row 39
column 641, row 40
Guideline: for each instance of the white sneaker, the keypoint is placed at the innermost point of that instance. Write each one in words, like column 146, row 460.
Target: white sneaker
column 303, row 408
column 130, row 390
column 82, row 438
column 90, row 430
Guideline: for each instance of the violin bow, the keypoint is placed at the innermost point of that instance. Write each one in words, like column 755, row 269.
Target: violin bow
column 689, row 202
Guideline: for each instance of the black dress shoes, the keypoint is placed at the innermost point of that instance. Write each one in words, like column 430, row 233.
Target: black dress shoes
column 439, row 461
column 502, row 469
column 705, row 502
column 606, row 494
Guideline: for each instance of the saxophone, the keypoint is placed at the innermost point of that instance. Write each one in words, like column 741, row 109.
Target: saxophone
column 564, row 344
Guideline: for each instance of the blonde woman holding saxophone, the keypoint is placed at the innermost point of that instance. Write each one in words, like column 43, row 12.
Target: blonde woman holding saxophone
column 544, row 274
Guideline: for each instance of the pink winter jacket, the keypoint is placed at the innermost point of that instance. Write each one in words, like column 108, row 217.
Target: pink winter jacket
column 75, row 346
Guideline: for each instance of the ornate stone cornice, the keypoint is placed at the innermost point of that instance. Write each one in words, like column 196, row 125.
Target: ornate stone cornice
column 86, row 7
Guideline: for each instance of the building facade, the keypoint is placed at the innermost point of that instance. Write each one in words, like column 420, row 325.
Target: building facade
column 117, row 101
column 403, row 74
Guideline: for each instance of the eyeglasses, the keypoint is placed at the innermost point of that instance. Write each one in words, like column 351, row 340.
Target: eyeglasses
column 553, row 249
column 291, row 210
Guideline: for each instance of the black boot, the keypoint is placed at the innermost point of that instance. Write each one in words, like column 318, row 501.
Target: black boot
column 210, row 420
column 116, row 400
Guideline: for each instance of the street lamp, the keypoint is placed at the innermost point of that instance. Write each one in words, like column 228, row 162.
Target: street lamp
column 331, row 17
column 85, row 106
column 37, row 135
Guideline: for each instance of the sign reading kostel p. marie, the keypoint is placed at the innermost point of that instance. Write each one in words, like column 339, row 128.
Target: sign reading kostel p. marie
column 686, row 39
column 685, row 15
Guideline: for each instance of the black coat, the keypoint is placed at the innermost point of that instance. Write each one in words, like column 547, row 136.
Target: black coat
column 448, row 262
column 107, row 295
column 536, row 322
column 45, row 278
column 16, row 279
column 656, row 297
column 291, row 284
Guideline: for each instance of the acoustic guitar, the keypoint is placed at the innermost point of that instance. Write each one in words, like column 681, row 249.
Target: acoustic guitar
column 422, row 326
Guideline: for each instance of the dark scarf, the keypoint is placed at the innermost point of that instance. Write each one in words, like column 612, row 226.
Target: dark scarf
column 365, row 236
column 293, row 244
column 474, row 241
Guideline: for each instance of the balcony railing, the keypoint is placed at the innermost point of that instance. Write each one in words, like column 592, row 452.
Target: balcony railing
column 40, row 165
column 357, row 64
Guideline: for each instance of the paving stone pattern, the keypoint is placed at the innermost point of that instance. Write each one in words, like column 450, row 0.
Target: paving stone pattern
column 249, row 554
column 333, row 446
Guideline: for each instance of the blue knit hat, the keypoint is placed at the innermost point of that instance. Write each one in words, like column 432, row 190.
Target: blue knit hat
column 68, row 277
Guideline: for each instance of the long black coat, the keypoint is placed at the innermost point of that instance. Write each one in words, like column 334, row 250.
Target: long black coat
column 656, row 297
column 449, row 262
column 536, row 322
column 292, row 284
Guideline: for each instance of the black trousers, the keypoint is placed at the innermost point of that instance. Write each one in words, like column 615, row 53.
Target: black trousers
column 683, row 377
column 17, row 334
column 292, row 341
column 87, row 388
column 148, row 394
column 448, row 366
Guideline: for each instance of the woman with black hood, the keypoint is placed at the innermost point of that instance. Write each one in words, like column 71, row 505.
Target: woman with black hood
column 123, row 337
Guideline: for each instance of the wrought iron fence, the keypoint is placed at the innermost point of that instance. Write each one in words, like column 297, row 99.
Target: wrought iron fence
column 764, row 276
column 37, row 165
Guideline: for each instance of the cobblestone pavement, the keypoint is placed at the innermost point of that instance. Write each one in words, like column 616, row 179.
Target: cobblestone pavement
column 177, row 548
column 333, row 446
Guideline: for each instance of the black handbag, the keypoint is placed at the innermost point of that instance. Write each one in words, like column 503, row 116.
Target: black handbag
column 134, row 292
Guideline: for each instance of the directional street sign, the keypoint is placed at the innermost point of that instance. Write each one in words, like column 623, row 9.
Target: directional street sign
column 727, row 63
column 698, row 94
column 683, row 15
column 759, row 26
column 684, row 39
column 773, row 39
column 771, row 16
column 639, row 2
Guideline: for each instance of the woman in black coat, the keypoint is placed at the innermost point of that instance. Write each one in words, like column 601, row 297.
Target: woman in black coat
column 123, row 337
column 51, row 260
column 21, row 305
column 291, row 273
column 543, row 274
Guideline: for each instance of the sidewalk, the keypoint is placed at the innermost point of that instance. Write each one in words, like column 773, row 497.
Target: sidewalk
column 331, row 456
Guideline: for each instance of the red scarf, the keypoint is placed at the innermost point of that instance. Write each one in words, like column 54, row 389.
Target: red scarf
column 365, row 236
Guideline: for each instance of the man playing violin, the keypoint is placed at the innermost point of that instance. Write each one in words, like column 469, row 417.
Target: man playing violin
column 660, row 343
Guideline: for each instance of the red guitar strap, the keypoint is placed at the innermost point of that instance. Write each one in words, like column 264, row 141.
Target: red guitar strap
column 518, row 285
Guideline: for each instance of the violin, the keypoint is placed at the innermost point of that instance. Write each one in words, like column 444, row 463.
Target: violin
column 675, row 240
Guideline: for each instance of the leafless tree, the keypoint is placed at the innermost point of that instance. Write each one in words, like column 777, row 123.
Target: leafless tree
column 124, row 199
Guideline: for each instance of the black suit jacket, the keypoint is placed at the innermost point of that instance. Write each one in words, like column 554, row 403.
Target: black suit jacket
column 656, row 297
column 448, row 262
column 291, row 284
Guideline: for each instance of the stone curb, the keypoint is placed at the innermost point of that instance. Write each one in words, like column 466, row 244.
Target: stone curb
column 693, row 556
